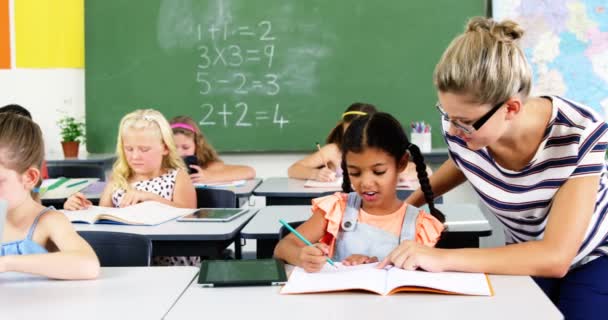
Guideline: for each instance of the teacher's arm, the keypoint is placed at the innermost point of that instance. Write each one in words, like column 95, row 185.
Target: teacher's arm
column 569, row 217
column 568, row 221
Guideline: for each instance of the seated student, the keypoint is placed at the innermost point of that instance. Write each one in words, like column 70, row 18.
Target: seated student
column 314, row 166
column 373, row 155
column 36, row 239
column 208, row 168
column 17, row 109
column 148, row 168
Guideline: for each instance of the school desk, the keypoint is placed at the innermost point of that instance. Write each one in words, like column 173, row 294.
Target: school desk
column 176, row 238
column 118, row 293
column 104, row 160
column 466, row 224
column 515, row 297
column 242, row 192
column 288, row 191
column 92, row 192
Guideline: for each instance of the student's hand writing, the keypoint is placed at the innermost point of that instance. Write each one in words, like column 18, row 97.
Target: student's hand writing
column 313, row 258
column 357, row 259
column 325, row 175
column 134, row 197
column 77, row 201
column 199, row 176
column 410, row 255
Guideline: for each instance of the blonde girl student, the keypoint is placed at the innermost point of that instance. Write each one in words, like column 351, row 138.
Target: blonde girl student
column 537, row 163
column 148, row 167
column 209, row 168
column 364, row 225
column 324, row 164
column 35, row 239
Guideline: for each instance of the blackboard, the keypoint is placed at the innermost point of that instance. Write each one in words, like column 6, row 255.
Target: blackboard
column 264, row 75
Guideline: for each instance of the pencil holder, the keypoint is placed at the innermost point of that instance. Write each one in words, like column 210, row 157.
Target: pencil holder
column 422, row 140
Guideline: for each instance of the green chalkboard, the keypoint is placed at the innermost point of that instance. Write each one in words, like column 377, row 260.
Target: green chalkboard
column 264, row 75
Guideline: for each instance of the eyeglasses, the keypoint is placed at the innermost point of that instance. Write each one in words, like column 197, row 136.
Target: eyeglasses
column 470, row 128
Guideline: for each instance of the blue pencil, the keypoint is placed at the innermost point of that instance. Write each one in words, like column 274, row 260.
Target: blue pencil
column 297, row 234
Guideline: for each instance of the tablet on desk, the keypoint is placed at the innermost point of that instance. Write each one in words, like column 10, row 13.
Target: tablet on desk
column 228, row 273
column 213, row 214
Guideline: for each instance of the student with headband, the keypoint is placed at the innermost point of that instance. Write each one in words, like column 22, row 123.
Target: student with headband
column 201, row 158
column 324, row 164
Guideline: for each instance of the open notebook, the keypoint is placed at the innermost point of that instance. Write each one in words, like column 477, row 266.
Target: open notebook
column 147, row 213
column 386, row 281
column 337, row 184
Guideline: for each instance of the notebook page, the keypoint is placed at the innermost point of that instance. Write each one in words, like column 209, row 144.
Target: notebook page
column 365, row 277
column 456, row 282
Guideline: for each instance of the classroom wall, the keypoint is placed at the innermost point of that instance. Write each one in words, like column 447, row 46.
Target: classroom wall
column 49, row 93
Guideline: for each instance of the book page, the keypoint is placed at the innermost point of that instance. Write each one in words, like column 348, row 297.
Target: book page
column 86, row 215
column 451, row 282
column 145, row 213
column 365, row 277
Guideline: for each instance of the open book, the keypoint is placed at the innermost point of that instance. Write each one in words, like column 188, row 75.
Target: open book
column 148, row 213
column 386, row 281
column 337, row 184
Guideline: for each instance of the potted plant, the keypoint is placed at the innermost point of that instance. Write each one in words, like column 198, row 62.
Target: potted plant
column 72, row 133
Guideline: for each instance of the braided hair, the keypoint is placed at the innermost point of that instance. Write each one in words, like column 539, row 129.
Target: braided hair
column 381, row 130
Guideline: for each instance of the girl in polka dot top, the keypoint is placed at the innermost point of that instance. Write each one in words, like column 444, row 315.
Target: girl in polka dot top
column 148, row 167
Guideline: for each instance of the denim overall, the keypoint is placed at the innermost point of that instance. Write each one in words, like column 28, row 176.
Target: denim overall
column 365, row 239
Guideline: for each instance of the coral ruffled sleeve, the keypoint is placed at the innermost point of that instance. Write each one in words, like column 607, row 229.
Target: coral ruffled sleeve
column 332, row 208
column 428, row 229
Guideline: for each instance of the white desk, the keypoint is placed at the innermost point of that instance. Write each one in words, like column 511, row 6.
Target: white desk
column 175, row 238
column 466, row 224
column 516, row 297
column 118, row 293
column 288, row 191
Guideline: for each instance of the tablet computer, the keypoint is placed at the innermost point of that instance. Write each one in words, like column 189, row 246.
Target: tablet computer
column 227, row 273
column 213, row 214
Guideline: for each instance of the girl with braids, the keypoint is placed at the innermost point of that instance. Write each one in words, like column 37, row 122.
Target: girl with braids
column 536, row 162
column 324, row 164
column 364, row 225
